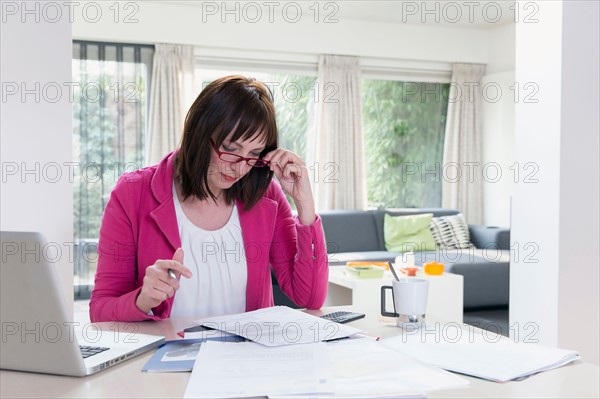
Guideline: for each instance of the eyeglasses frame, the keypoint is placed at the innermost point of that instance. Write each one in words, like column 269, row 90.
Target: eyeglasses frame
column 240, row 158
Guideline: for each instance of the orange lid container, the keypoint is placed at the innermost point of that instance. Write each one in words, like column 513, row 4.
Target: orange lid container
column 433, row 268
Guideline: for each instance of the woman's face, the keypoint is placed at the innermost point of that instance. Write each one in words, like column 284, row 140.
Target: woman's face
column 224, row 174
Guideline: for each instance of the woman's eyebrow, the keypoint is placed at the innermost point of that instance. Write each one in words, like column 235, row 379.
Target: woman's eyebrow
column 239, row 146
column 257, row 151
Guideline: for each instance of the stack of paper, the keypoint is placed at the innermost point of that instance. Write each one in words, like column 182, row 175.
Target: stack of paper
column 279, row 325
column 367, row 369
column 231, row 370
column 359, row 367
column 488, row 356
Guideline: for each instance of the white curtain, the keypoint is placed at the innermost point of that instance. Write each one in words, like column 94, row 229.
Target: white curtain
column 170, row 97
column 462, row 179
column 336, row 149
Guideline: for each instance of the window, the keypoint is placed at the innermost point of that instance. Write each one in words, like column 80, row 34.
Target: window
column 404, row 125
column 109, row 124
column 295, row 98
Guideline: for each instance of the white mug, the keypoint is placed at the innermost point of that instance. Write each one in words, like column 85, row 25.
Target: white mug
column 410, row 300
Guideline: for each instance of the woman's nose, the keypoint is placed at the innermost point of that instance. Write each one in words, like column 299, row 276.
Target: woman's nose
column 239, row 167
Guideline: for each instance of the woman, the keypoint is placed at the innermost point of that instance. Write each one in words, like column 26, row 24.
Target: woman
column 196, row 234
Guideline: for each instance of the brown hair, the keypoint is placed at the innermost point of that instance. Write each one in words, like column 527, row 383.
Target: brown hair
column 235, row 104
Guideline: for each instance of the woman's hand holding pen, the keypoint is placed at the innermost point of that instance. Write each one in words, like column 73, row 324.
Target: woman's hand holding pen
column 292, row 174
column 159, row 284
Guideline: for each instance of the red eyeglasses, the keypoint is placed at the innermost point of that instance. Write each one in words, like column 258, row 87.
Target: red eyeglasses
column 234, row 158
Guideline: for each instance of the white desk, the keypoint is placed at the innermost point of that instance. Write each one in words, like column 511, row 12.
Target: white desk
column 445, row 300
column 578, row 379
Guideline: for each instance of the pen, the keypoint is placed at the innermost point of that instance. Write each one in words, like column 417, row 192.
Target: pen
column 353, row 336
column 171, row 273
column 368, row 336
column 393, row 271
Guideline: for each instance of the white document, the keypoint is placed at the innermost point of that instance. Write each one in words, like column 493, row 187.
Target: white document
column 279, row 325
column 231, row 370
column 488, row 356
column 365, row 368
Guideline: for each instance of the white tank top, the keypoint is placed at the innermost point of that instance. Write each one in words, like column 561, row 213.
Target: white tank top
column 217, row 260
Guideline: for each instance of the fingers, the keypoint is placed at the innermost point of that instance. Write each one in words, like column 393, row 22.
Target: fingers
column 174, row 265
column 159, row 284
column 285, row 164
column 158, row 290
column 159, row 276
column 282, row 157
column 178, row 255
column 291, row 172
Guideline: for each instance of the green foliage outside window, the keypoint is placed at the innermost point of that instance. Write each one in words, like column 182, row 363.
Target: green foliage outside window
column 404, row 125
column 108, row 139
column 294, row 101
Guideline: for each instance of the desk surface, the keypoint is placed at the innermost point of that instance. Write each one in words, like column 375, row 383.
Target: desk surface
column 578, row 379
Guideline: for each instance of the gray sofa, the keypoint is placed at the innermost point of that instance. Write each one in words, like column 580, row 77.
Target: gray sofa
column 358, row 235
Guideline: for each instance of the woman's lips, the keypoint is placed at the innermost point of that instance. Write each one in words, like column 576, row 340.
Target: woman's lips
column 228, row 179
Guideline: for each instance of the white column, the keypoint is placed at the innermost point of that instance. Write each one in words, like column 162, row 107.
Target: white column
column 579, row 260
column 36, row 126
column 554, row 267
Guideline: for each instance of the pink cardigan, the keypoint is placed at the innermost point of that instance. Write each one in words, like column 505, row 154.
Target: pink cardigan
column 139, row 226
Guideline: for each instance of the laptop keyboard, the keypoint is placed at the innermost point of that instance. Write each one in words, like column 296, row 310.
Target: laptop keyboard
column 87, row 351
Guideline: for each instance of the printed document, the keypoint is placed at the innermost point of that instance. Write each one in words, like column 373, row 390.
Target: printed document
column 484, row 355
column 279, row 325
column 231, row 370
column 357, row 367
column 365, row 368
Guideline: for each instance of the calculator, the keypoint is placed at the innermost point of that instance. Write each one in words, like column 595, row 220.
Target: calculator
column 343, row 316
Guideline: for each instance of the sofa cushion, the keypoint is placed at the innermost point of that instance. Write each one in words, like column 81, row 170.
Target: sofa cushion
column 408, row 233
column 379, row 214
column 489, row 236
column 451, row 232
column 350, row 231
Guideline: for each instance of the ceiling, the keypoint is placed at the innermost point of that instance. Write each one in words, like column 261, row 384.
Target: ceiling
column 447, row 14
column 430, row 13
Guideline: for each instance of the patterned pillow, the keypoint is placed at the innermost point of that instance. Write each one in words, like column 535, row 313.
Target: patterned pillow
column 451, row 232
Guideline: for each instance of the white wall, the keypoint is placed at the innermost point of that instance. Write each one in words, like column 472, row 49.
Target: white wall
column 36, row 133
column 502, row 49
column 498, row 154
column 160, row 22
column 535, row 207
column 556, row 289
column 498, row 142
column 579, row 260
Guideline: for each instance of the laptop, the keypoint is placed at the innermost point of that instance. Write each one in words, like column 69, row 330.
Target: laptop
column 37, row 333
